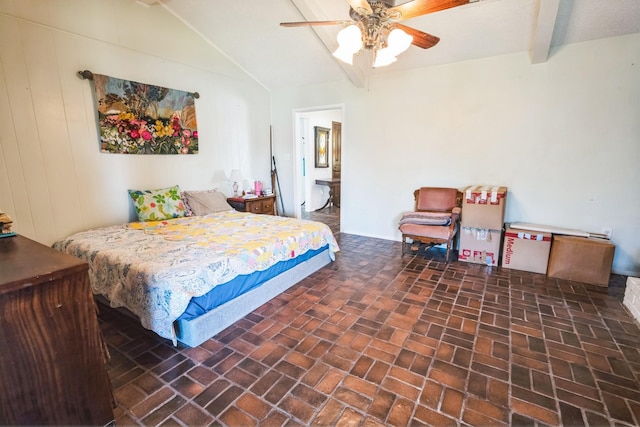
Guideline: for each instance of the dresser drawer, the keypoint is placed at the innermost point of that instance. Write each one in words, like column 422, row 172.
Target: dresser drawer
column 267, row 207
column 262, row 205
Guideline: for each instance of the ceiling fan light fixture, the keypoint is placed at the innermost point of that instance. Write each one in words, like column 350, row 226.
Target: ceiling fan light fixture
column 398, row 41
column 349, row 42
column 350, row 38
column 384, row 57
column 344, row 55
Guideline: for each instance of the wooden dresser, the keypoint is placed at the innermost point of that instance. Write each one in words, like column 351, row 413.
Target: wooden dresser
column 53, row 360
column 258, row 205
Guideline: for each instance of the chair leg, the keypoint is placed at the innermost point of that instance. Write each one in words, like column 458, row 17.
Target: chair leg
column 404, row 243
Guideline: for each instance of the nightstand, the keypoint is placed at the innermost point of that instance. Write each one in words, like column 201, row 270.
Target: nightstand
column 258, row 205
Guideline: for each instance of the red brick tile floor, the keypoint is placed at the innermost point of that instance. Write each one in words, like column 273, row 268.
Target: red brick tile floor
column 377, row 338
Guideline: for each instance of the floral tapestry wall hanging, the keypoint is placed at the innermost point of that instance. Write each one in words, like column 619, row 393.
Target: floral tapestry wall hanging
column 138, row 118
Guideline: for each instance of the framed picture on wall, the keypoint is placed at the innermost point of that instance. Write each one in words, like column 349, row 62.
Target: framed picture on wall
column 322, row 147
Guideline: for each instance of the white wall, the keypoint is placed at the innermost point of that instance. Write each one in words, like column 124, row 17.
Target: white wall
column 563, row 135
column 53, row 179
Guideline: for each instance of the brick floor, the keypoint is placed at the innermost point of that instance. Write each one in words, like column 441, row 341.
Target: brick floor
column 376, row 338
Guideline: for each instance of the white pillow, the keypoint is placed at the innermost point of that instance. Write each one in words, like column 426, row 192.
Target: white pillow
column 207, row 202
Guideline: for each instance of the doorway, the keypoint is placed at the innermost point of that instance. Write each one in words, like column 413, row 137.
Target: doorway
column 310, row 197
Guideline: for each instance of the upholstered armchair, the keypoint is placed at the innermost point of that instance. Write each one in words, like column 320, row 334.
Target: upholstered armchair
column 435, row 219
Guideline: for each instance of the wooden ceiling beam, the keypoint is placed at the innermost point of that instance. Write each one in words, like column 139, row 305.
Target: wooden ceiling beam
column 543, row 30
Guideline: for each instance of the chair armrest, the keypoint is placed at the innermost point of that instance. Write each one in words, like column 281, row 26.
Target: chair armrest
column 455, row 219
column 455, row 215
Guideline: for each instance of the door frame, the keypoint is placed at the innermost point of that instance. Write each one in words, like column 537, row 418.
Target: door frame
column 298, row 129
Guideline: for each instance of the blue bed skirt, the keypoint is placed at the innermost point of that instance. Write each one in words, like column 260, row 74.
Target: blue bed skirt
column 240, row 285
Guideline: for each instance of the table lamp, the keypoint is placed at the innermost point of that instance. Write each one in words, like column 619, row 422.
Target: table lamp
column 236, row 177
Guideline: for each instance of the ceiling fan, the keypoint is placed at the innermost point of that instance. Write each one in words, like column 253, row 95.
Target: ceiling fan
column 375, row 26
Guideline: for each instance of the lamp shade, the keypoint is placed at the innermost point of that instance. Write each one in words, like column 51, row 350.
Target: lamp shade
column 398, row 41
column 350, row 38
column 384, row 57
column 349, row 42
column 236, row 176
column 344, row 55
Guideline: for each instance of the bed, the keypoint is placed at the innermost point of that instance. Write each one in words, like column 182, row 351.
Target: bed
column 189, row 278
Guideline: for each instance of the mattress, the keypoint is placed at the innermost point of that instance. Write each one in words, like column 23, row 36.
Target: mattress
column 154, row 269
column 199, row 329
column 244, row 283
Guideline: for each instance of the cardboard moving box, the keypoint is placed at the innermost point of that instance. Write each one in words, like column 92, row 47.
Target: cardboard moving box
column 526, row 250
column 480, row 246
column 581, row 259
column 483, row 207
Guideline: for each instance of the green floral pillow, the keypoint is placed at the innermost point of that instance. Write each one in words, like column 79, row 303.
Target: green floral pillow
column 158, row 205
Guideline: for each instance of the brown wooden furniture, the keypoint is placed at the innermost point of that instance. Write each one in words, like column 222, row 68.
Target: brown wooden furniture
column 436, row 202
column 258, row 205
column 52, row 363
column 334, row 188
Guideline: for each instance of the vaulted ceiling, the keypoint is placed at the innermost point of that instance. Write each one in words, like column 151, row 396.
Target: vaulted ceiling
column 248, row 32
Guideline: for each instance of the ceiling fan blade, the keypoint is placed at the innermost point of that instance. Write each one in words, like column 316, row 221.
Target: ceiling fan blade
column 420, row 38
column 422, row 7
column 362, row 7
column 312, row 23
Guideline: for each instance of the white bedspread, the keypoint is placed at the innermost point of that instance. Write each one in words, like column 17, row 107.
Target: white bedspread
column 155, row 268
